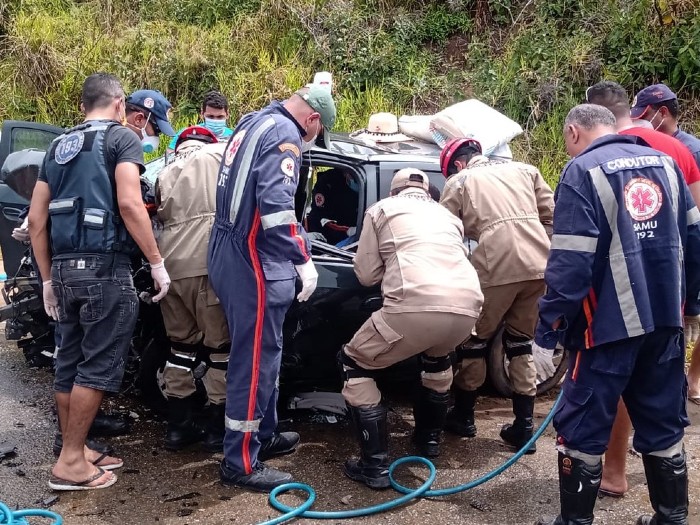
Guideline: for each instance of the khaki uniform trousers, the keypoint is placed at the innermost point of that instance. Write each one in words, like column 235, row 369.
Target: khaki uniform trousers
column 193, row 316
column 387, row 338
column 515, row 305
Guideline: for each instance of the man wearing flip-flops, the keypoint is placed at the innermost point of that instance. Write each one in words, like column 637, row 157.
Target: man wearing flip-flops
column 87, row 203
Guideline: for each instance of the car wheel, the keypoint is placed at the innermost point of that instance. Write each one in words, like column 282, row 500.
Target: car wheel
column 498, row 368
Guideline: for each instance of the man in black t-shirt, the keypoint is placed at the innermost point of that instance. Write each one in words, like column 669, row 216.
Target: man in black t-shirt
column 90, row 188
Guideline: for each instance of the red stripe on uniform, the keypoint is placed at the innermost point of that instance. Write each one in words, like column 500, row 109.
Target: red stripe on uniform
column 588, row 334
column 593, row 298
column 257, row 339
column 300, row 240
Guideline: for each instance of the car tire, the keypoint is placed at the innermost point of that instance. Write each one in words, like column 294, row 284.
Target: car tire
column 498, row 368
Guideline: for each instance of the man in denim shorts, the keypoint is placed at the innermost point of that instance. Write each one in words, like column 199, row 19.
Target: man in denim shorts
column 87, row 201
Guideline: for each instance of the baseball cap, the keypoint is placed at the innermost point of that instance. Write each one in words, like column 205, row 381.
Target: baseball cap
column 410, row 177
column 321, row 101
column 153, row 101
column 649, row 96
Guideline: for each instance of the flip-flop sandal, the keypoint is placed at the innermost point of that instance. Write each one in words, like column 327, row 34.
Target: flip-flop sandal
column 111, row 466
column 56, row 483
column 694, row 399
column 610, row 494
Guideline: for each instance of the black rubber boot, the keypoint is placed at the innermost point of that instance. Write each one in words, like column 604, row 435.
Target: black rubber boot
column 372, row 468
column 214, row 438
column 429, row 412
column 182, row 430
column 460, row 419
column 280, row 444
column 578, row 491
column 108, row 425
column 520, row 431
column 667, row 479
column 261, row 479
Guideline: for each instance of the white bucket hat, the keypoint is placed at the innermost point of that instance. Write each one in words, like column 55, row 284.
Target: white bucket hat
column 381, row 128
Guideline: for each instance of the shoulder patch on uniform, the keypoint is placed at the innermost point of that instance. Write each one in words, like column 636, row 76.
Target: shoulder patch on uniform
column 287, row 167
column 319, row 200
column 233, row 146
column 288, row 146
column 643, row 198
column 69, row 147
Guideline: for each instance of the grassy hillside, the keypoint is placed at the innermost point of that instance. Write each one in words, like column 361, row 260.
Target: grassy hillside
column 532, row 59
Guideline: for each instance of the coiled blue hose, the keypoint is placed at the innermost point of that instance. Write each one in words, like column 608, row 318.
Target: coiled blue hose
column 8, row 517
column 408, row 494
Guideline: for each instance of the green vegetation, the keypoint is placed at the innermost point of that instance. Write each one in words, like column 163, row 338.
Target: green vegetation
column 531, row 59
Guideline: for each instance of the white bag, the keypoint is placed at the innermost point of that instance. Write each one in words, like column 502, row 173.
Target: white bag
column 474, row 119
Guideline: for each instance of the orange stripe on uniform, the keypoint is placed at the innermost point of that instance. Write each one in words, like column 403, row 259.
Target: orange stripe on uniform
column 574, row 373
column 257, row 339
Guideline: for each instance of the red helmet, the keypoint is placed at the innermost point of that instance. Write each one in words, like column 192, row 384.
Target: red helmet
column 196, row 133
column 452, row 146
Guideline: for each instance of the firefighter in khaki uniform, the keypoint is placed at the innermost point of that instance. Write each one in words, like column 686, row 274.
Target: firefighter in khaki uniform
column 414, row 247
column 194, row 320
column 505, row 206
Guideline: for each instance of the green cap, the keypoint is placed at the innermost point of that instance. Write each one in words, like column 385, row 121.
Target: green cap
column 320, row 99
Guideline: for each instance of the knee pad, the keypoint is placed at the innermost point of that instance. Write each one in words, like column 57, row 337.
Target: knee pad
column 351, row 370
column 473, row 348
column 216, row 358
column 359, row 385
column 516, row 345
column 436, row 372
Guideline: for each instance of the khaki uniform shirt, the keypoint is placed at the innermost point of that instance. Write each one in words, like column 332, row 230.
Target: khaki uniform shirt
column 186, row 198
column 505, row 206
column 415, row 248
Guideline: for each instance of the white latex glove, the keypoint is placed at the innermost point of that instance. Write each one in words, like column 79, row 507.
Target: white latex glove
column 50, row 301
column 544, row 363
column 691, row 327
column 351, row 231
column 309, row 278
column 161, row 280
column 21, row 234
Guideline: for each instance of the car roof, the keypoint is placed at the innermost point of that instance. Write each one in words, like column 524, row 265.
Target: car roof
column 410, row 151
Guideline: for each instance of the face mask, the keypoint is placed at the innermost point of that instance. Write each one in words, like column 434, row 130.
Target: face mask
column 306, row 146
column 652, row 120
column 354, row 185
column 214, row 125
column 150, row 143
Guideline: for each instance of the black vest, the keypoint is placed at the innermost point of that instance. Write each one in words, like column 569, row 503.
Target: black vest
column 83, row 210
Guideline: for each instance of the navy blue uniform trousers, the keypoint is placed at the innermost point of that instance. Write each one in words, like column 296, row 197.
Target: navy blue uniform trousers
column 255, row 309
column 648, row 371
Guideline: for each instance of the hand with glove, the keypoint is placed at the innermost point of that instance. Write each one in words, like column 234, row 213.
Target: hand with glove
column 544, row 361
column 309, row 277
column 691, row 327
column 161, row 280
column 50, row 301
column 351, row 231
column 21, row 234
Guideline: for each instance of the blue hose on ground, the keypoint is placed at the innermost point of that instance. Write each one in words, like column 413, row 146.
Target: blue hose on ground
column 408, row 494
column 8, row 517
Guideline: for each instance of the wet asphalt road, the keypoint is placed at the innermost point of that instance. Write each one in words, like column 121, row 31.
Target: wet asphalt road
column 159, row 487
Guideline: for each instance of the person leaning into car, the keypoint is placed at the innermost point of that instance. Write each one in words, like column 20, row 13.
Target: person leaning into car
column 504, row 206
column 90, row 190
column 431, row 293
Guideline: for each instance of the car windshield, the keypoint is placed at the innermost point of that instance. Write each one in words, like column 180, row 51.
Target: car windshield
column 153, row 169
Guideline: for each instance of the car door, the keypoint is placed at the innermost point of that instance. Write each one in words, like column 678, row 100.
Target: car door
column 16, row 136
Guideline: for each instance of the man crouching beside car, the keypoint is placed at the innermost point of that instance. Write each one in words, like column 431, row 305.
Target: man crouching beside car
column 431, row 302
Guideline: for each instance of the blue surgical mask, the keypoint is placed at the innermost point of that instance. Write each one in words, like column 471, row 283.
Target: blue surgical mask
column 354, row 185
column 215, row 125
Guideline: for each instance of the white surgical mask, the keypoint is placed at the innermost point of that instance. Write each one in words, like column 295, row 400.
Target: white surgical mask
column 652, row 120
column 307, row 145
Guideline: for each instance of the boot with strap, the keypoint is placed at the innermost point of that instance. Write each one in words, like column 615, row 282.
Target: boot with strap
column 429, row 412
column 460, row 419
column 667, row 479
column 521, row 430
column 578, row 490
column 372, row 468
column 182, row 430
